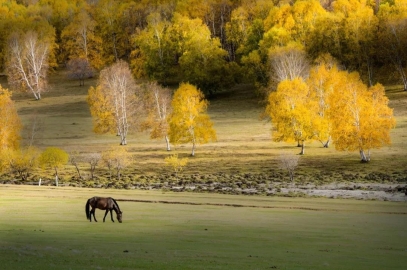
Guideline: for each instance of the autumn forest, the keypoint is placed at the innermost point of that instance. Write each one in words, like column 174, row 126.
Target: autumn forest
column 319, row 66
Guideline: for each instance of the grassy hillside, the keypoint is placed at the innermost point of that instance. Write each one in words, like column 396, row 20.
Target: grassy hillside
column 244, row 143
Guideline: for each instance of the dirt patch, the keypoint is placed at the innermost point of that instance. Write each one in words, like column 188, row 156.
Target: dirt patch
column 382, row 192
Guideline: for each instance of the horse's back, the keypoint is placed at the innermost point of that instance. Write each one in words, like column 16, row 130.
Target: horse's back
column 102, row 202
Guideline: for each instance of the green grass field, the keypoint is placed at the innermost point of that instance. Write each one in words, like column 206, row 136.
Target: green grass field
column 46, row 228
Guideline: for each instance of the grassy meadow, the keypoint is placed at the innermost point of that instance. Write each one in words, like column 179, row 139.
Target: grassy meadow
column 46, row 228
column 244, row 141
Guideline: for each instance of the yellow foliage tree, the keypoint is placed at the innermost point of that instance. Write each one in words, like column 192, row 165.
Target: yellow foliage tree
column 188, row 121
column 54, row 158
column 157, row 104
column 176, row 163
column 360, row 117
column 21, row 161
column 292, row 112
column 80, row 40
column 101, row 111
column 10, row 124
column 114, row 103
column 322, row 80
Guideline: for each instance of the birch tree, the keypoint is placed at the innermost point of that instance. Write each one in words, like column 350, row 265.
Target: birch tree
column 53, row 158
column 393, row 38
column 93, row 159
column 27, row 64
column 188, row 121
column 360, row 116
column 157, row 104
column 288, row 63
column 291, row 111
column 114, row 103
column 80, row 40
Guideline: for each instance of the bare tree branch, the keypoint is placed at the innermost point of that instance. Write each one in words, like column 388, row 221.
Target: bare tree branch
column 27, row 64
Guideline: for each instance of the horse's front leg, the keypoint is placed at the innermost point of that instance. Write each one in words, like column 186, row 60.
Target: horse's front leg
column 111, row 215
column 107, row 210
column 93, row 213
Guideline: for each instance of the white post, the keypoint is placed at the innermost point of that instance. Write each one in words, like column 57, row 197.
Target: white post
column 56, row 180
column 39, row 182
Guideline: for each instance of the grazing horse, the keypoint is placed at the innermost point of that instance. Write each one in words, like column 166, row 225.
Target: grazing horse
column 107, row 204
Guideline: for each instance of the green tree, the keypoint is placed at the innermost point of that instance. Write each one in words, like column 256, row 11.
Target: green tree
column 202, row 60
column 245, row 28
column 155, row 52
column 188, row 121
column 182, row 50
column 54, row 158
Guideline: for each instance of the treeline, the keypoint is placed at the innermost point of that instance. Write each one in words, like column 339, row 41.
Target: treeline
column 212, row 44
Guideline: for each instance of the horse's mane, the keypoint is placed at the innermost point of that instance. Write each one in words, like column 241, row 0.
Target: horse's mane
column 116, row 204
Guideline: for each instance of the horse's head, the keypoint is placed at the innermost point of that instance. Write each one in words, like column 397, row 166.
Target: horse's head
column 119, row 216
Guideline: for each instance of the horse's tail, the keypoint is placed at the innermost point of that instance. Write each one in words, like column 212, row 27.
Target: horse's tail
column 118, row 208
column 87, row 209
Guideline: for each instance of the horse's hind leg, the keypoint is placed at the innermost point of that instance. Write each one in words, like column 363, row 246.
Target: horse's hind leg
column 107, row 210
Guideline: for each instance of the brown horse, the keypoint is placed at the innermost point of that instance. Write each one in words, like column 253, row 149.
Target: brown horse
column 107, row 204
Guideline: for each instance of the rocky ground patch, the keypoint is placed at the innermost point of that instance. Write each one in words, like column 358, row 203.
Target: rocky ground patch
column 374, row 186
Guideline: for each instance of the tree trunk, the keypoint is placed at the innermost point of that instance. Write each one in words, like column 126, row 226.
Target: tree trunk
column 193, row 149
column 291, row 173
column 56, row 176
column 364, row 158
column 326, row 144
column 110, row 171
column 123, row 140
column 77, row 170
column 302, row 148
column 167, row 140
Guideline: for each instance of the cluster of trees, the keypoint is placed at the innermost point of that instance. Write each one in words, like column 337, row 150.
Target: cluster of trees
column 118, row 105
column 206, row 46
column 209, row 43
column 331, row 104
